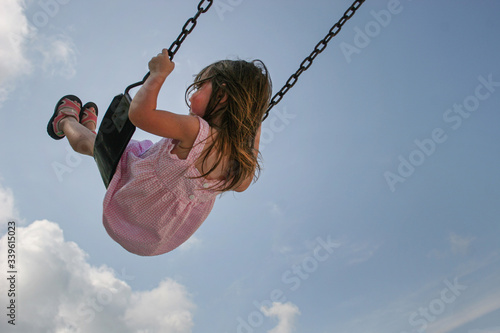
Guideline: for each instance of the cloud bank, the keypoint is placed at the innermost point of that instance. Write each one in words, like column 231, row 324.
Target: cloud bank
column 7, row 207
column 14, row 30
column 285, row 313
column 59, row 291
column 23, row 48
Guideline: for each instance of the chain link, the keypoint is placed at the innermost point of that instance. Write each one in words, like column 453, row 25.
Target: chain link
column 188, row 27
column 320, row 47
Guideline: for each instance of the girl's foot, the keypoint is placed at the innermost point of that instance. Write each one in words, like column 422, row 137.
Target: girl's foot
column 68, row 106
column 88, row 116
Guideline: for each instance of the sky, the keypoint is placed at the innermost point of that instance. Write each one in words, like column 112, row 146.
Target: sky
column 377, row 207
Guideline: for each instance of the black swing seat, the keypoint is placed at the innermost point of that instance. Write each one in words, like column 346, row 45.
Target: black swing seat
column 113, row 136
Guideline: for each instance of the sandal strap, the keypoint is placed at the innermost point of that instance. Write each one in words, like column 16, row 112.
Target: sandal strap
column 89, row 114
column 67, row 108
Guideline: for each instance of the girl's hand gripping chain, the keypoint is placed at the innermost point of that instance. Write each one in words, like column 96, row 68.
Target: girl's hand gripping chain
column 161, row 65
column 144, row 114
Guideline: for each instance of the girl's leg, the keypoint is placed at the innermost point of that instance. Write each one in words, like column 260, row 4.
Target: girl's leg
column 80, row 137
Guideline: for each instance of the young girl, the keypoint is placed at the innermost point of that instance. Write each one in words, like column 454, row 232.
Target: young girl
column 161, row 193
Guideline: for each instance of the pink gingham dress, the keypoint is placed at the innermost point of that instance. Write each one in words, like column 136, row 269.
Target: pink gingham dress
column 153, row 204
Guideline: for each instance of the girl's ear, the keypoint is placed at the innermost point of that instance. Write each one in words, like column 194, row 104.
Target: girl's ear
column 223, row 99
column 222, row 94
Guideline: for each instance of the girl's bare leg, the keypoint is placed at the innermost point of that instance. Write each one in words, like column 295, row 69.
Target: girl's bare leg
column 80, row 137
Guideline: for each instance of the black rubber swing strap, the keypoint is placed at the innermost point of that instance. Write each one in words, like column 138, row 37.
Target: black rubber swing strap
column 188, row 27
column 320, row 47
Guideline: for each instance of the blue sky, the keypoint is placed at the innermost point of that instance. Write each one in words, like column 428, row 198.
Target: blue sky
column 377, row 208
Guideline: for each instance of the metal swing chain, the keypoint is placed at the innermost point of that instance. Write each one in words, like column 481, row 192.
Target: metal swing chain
column 320, row 47
column 188, row 27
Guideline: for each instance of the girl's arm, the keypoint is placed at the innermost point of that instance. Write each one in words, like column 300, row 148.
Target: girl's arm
column 246, row 183
column 143, row 112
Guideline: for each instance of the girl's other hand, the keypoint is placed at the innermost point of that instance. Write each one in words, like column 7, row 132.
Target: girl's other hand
column 161, row 64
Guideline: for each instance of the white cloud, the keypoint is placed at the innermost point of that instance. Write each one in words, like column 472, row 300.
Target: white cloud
column 23, row 48
column 164, row 309
column 275, row 209
column 473, row 311
column 487, row 330
column 59, row 291
column 14, row 30
column 7, row 207
column 426, row 309
column 285, row 313
column 58, row 55
column 285, row 249
column 192, row 243
column 361, row 252
column 459, row 244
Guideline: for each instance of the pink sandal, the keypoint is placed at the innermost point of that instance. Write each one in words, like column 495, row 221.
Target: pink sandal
column 68, row 106
column 88, row 114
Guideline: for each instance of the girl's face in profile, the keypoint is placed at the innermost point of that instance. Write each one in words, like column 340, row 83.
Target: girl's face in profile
column 200, row 98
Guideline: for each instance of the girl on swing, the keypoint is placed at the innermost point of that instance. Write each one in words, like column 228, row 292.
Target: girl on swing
column 161, row 193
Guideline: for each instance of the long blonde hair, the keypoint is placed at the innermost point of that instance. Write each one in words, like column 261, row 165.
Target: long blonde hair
column 248, row 88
